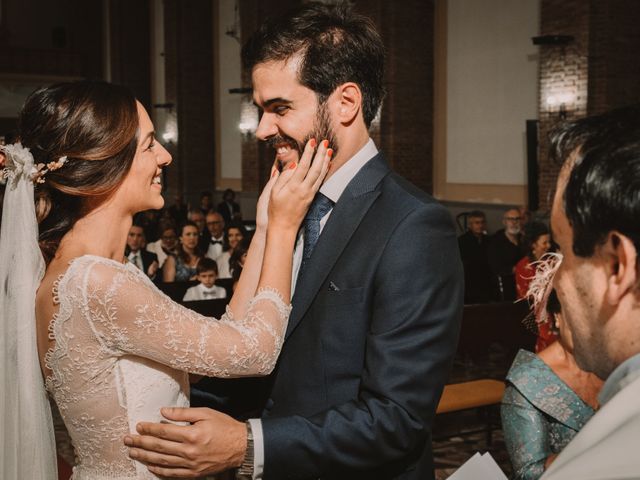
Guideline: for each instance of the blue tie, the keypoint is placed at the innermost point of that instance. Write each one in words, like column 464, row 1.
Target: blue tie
column 320, row 206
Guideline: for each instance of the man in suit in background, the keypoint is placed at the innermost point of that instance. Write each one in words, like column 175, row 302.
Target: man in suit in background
column 503, row 251
column 228, row 208
column 138, row 255
column 379, row 283
column 478, row 279
column 595, row 223
column 215, row 227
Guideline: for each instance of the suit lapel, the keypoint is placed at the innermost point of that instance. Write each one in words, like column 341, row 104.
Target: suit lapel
column 345, row 218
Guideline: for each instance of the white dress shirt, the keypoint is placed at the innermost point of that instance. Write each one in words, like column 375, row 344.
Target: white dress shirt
column 136, row 259
column 200, row 292
column 332, row 189
column 214, row 251
column 223, row 264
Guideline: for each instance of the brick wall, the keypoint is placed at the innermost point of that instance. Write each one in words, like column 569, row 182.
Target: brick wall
column 599, row 67
column 563, row 79
column 614, row 70
column 189, row 57
column 406, row 123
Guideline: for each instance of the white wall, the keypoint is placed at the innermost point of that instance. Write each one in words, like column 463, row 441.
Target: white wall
column 492, row 69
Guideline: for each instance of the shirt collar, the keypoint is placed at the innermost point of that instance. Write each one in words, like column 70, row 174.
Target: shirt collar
column 337, row 183
column 207, row 290
column 627, row 372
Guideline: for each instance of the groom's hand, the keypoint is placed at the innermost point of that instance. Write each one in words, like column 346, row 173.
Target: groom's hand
column 212, row 443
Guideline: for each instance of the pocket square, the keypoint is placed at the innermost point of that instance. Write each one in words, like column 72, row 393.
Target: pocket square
column 333, row 287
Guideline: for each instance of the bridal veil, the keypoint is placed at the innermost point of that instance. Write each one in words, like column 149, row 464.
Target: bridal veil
column 26, row 429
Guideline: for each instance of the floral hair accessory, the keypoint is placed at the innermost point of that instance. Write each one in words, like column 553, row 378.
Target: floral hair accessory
column 42, row 169
column 542, row 284
column 19, row 163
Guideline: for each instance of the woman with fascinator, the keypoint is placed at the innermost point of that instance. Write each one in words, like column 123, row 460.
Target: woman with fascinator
column 548, row 398
column 107, row 345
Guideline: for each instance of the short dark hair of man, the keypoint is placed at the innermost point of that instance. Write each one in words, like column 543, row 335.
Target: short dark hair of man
column 336, row 45
column 206, row 264
column 603, row 188
column 476, row 214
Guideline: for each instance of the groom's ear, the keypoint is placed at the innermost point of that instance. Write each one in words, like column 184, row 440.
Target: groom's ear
column 347, row 102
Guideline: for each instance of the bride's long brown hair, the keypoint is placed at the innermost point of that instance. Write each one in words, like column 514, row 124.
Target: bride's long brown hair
column 95, row 125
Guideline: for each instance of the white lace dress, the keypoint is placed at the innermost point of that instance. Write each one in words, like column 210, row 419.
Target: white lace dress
column 122, row 349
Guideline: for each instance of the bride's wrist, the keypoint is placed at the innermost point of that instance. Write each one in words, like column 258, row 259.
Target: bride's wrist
column 282, row 228
column 261, row 230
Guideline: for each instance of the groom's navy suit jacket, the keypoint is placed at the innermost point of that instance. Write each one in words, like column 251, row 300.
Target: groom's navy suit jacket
column 371, row 338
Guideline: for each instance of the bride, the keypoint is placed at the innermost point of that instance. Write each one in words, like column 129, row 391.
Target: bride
column 112, row 349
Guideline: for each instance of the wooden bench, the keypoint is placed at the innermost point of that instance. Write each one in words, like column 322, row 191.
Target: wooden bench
column 475, row 394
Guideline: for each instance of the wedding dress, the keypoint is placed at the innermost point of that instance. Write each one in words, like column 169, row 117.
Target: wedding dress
column 122, row 349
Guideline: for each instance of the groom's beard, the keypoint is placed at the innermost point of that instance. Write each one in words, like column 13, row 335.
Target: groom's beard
column 321, row 130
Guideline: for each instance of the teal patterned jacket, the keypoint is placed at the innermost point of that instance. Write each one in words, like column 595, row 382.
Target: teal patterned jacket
column 540, row 415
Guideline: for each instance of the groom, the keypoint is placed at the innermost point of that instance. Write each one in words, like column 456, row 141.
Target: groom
column 377, row 300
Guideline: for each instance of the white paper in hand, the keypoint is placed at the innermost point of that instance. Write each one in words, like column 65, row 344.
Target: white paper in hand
column 479, row 467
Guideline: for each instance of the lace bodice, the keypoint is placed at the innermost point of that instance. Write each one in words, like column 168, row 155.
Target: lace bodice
column 122, row 349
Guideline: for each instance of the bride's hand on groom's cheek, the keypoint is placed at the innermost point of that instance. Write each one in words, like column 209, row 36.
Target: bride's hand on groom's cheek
column 212, row 443
column 296, row 186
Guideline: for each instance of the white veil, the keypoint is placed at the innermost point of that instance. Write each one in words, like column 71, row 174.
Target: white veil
column 27, row 443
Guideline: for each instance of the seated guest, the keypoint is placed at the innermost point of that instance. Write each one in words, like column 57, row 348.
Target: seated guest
column 478, row 280
column 207, row 289
column 503, row 253
column 537, row 242
column 594, row 219
column 167, row 243
column 182, row 266
column 136, row 254
column 234, row 235
column 198, row 218
column 215, row 227
column 547, row 401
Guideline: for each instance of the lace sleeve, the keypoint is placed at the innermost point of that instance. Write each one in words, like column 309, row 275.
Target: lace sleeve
column 130, row 315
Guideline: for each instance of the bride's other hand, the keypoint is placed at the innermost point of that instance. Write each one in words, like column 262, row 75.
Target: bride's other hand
column 295, row 187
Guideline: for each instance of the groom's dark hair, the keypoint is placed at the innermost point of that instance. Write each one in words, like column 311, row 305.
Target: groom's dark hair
column 603, row 189
column 336, row 46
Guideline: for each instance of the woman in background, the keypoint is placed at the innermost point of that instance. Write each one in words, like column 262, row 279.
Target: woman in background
column 167, row 244
column 182, row 266
column 537, row 242
column 234, row 235
column 548, row 398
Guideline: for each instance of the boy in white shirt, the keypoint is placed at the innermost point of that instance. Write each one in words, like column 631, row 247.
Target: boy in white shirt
column 207, row 289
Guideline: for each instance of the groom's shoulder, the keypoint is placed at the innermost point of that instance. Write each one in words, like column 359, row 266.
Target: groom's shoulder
column 403, row 194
